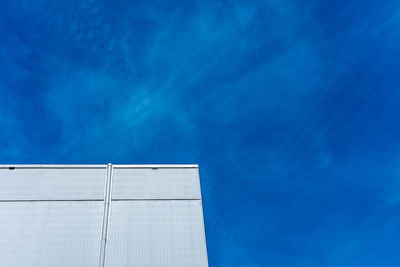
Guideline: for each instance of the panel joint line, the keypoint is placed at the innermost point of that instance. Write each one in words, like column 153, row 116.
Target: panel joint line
column 106, row 214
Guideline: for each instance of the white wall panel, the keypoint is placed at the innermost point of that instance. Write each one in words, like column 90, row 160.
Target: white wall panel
column 48, row 234
column 159, row 183
column 52, row 184
column 156, row 233
column 52, row 215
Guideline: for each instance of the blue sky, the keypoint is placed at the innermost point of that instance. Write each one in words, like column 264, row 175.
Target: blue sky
column 291, row 108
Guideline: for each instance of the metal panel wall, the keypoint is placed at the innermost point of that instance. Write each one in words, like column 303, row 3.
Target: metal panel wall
column 52, row 183
column 157, row 183
column 50, row 233
column 56, row 215
column 156, row 233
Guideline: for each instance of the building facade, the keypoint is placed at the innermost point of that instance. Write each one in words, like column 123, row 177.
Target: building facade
column 101, row 215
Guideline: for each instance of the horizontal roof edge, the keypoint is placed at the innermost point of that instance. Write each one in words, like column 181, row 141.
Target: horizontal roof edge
column 94, row 166
column 155, row 166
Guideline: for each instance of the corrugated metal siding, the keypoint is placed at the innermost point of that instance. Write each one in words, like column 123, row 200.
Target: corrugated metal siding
column 52, row 184
column 52, row 215
column 172, row 183
column 48, row 234
column 159, row 233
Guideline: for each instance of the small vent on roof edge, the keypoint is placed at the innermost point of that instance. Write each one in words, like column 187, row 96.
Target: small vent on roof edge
column 11, row 168
column 154, row 168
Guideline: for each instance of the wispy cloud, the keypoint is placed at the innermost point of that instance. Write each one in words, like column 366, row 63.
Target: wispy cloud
column 289, row 107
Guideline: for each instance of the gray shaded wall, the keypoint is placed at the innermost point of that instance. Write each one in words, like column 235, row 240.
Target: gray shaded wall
column 101, row 215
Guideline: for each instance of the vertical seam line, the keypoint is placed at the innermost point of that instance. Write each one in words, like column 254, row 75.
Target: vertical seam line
column 106, row 215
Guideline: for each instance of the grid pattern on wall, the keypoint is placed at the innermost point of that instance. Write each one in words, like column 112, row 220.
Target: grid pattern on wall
column 101, row 215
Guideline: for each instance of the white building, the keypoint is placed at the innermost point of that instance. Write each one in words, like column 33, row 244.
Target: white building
column 101, row 215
